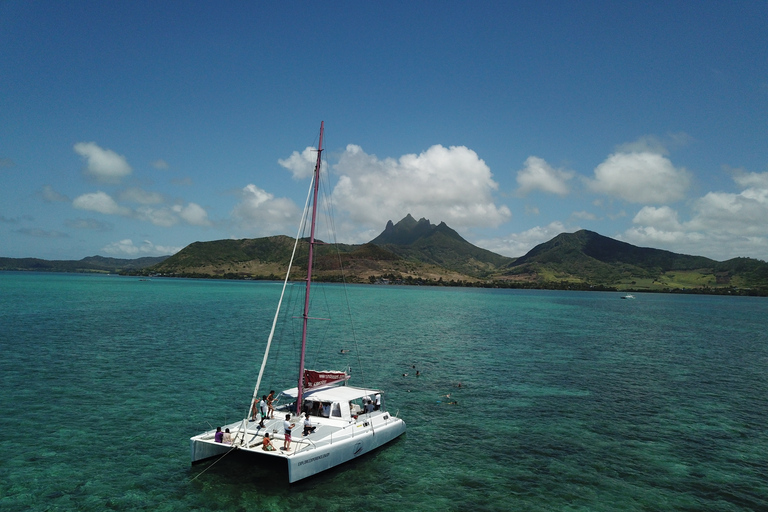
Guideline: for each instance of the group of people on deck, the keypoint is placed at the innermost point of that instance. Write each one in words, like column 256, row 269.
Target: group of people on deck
column 371, row 405
column 222, row 437
column 266, row 442
column 264, row 408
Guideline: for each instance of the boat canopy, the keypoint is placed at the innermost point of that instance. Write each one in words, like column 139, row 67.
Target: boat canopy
column 333, row 394
column 333, row 402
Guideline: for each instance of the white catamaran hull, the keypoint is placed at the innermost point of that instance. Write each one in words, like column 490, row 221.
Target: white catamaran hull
column 330, row 446
column 306, row 463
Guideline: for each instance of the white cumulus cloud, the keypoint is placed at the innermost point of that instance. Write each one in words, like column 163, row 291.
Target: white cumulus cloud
column 722, row 225
column 261, row 213
column 164, row 216
column 745, row 213
column 193, row 214
column 167, row 216
column 103, row 164
column 450, row 184
column 663, row 217
column 752, row 179
column 640, row 177
column 515, row 245
column 539, row 175
column 100, row 202
column 676, row 241
column 126, row 247
column 301, row 164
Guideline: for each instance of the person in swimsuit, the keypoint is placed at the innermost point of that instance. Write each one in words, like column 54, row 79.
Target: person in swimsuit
column 254, row 409
column 270, row 399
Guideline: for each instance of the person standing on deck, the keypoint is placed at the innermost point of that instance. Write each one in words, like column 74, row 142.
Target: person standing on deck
column 377, row 402
column 254, row 409
column 263, row 409
column 270, row 399
column 287, row 426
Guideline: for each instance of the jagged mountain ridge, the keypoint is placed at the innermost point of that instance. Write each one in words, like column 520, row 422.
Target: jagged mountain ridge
column 408, row 231
column 438, row 245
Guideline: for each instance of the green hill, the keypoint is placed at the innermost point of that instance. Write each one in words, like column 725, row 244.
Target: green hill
column 89, row 264
column 587, row 257
column 439, row 245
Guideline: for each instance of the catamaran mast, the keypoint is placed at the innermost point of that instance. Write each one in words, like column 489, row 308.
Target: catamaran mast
column 310, row 259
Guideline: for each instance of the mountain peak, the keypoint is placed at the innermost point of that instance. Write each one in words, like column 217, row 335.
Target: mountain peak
column 405, row 232
column 408, row 230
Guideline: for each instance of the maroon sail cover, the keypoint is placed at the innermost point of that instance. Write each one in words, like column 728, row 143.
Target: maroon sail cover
column 313, row 378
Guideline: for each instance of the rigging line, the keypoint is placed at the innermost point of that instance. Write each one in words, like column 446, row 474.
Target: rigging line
column 214, row 462
column 325, row 181
column 280, row 302
column 320, row 336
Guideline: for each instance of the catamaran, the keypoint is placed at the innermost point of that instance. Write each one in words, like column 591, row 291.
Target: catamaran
column 346, row 421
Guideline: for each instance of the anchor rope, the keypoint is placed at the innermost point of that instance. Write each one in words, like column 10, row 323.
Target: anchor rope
column 214, row 462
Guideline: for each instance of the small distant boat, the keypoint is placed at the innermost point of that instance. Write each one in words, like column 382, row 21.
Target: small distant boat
column 627, row 296
column 345, row 423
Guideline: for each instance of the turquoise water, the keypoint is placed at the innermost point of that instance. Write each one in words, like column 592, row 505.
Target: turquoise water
column 567, row 400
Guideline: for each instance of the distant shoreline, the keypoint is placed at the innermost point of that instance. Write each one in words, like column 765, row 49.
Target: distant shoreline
column 578, row 287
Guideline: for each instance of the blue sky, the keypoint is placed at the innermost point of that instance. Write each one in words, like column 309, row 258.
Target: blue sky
column 133, row 129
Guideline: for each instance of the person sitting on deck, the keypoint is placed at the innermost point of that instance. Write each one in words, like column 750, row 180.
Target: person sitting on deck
column 219, row 435
column 369, row 407
column 308, row 428
column 266, row 443
column 227, row 437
